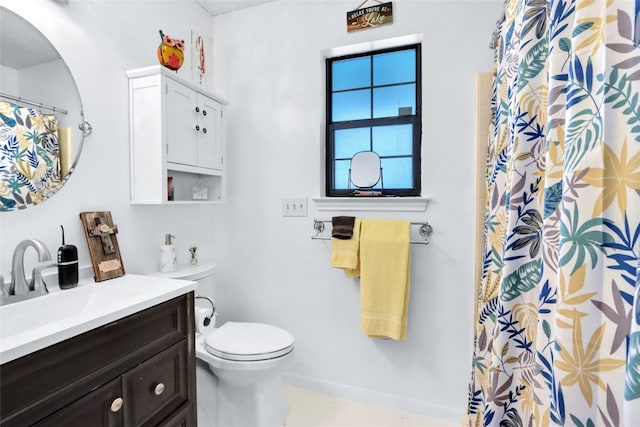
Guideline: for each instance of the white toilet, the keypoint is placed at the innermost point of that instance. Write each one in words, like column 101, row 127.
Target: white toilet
column 247, row 360
column 239, row 368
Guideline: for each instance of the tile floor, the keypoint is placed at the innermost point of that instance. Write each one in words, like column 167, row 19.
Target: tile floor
column 312, row 409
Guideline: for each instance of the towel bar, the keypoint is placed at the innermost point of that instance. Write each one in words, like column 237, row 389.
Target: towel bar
column 425, row 231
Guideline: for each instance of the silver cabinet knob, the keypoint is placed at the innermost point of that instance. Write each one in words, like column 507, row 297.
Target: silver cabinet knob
column 116, row 404
column 159, row 389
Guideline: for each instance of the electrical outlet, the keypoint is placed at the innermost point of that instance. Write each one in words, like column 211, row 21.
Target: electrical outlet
column 294, row 206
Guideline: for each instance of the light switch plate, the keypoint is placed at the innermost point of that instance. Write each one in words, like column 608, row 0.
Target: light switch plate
column 294, row 206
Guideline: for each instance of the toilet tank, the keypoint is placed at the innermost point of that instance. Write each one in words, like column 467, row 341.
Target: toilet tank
column 202, row 273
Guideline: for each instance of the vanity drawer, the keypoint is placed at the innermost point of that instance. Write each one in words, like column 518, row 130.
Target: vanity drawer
column 157, row 387
column 98, row 408
column 43, row 382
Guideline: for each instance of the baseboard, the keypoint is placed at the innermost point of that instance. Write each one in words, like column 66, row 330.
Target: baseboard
column 435, row 412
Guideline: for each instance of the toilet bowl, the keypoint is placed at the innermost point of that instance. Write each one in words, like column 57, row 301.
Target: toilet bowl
column 239, row 365
column 247, row 360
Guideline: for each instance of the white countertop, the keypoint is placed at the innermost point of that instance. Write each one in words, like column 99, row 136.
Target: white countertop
column 34, row 324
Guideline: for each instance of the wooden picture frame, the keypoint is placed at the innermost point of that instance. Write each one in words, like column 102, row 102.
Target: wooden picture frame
column 100, row 233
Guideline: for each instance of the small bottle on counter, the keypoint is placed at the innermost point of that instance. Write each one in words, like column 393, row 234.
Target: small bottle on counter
column 168, row 254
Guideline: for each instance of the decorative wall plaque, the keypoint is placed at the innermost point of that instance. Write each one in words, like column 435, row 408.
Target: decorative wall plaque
column 369, row 17
column 103, row 245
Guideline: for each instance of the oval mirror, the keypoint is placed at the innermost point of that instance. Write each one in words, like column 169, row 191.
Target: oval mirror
column 42, row 125
column 365, row 170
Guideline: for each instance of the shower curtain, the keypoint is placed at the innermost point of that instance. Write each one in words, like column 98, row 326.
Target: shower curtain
column 557, row 340
column 29, row 156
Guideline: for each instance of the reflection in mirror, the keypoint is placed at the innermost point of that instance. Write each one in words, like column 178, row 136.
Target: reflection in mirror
column 42, row 125
column 365, row 170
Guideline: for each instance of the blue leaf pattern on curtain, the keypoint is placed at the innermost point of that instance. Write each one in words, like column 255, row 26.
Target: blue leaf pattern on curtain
column 29, row 156
column 557, row 335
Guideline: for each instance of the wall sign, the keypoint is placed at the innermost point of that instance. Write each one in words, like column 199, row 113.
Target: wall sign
column 369, row 17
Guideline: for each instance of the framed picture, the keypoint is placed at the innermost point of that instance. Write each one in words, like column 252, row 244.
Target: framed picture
column 201, row 57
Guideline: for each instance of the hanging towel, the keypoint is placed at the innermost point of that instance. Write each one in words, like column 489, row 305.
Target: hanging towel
column 342, row 227
column 384, row 277
column 344, row 253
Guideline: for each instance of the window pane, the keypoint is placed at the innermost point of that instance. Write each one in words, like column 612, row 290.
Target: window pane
column 341, row 174
column 348, row 142
column 393, row 140
column 351, row 73
column 353, row 105
column 397, row 172
column 387, row 100
column 394, row 67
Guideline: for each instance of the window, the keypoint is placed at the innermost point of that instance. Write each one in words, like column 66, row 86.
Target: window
column 374, row 104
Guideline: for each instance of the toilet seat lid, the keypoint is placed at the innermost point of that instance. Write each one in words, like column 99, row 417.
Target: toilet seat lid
column 248, row 341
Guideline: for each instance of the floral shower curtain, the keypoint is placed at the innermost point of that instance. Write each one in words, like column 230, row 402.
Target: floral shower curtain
column 29, row 156
column 557, row 340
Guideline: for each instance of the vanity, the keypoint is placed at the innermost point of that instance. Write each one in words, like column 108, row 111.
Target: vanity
column 114, row 353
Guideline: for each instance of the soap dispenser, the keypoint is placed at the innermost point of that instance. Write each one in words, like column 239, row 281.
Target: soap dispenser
column 67, row 265
column 168, row 254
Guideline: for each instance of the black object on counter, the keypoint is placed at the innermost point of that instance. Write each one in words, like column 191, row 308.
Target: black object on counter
column 67, row 265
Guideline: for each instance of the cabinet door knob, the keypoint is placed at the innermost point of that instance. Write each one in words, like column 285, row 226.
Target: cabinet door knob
column 204, row 130
column 197, row 127
column 204, row 112
column 159, row 389
column 116, row 404
column 197, row 109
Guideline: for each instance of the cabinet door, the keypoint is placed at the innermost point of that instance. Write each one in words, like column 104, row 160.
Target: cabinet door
column 210, row 133
column 185, row 417
column 181, row 122
column 157, row 387
column 100, row 408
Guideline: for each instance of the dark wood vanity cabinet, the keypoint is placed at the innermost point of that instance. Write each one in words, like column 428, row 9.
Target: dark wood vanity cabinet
column 136, row 371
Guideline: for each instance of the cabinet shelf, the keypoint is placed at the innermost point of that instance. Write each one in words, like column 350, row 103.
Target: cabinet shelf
column 177, row 131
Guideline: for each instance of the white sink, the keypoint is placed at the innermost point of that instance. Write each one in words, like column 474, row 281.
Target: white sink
column 33, row 324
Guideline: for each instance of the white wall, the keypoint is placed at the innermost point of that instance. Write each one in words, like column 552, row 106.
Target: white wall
column 8, row 79
column 99, row 40
column 268, row 63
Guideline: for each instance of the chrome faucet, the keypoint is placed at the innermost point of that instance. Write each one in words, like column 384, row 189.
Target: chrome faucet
column 19, row 284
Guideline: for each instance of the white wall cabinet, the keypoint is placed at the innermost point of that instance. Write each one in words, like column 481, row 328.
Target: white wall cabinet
column 176, row 131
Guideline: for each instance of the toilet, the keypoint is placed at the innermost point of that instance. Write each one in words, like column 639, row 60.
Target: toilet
column 239, row 365
column 247, row 361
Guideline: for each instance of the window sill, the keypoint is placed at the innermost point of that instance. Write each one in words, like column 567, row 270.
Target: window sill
column 395, row 204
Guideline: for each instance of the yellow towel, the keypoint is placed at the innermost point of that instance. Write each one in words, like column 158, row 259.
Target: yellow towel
column 64, row 141
column 384, row 277
column 344, row 253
